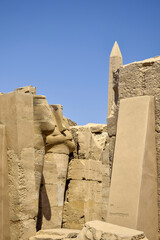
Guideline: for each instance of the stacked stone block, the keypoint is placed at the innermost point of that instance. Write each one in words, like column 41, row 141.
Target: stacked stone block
column 83, row 199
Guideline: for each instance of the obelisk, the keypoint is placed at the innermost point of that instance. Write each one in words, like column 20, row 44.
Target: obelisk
column 115, row 63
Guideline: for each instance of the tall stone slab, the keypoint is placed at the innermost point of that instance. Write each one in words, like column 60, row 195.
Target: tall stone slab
column 133, row 193
column 4, row 199
column 16, row 113
column 114, row 64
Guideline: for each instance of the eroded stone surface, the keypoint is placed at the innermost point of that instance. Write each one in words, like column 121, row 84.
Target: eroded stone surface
column 4, row 198
column 17, row 116
column 56, row 234
column 58, row 146
column 83, row 200
column 27, row 89
column 100, row 230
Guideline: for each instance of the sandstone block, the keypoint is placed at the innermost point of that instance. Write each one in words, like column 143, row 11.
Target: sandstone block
column 27, row 89
column 101, row 230
column 52, row 217
column 50, row 171
column 84, row 140
column 89, row 140
column 133, row 200
column 112, row 125
column 96, row 147
column 17, row 115
column 60, row 233
column 56, row 234
column 73, row 215
column 105, row 155
column 52, row 192
column 23, row 229
column 4, row 197
column 83, row 203
column 77, row 191
column 85, row 169
column 49, row 195
column 43, row 114
column 97, row 128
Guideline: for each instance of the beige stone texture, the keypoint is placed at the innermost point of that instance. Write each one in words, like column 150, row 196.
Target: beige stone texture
column 52, row 216
column 43, row 115
column 139, row 79
column 17, row 116
column 60, row 141
column 96, row 128
column 24, row 229
column 133, row 192
column 76, row 187
column 27, row 89
column 82, row 203
column 27, row 123
column 4, row 198
column 100, row 230
column 112, row 124
column 82, row 138
column 89, row 140
column 71, row 123
column 85, row 169
column 105, row 180
column 56, row 234
column 52, row 192
column 114, row 64
column 58, row 146
column 43, row 126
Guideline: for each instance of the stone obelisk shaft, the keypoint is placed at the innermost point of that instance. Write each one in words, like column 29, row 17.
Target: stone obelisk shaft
column 115, row 63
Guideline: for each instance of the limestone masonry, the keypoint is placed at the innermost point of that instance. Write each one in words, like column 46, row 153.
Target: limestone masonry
column 93, row 182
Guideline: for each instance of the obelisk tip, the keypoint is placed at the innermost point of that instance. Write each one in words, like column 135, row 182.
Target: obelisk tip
column 115, row 50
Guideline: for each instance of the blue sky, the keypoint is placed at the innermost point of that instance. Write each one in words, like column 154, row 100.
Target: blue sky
column 62, row 47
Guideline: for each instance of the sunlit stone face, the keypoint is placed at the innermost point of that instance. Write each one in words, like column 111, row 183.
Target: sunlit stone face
column 43, row 114
column 61, row 134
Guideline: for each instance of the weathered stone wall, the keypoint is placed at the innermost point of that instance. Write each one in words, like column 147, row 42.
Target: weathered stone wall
column 138, row 79
column 85, row 190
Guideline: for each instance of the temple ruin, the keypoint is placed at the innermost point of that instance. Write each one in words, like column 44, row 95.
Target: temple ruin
column 98, row 181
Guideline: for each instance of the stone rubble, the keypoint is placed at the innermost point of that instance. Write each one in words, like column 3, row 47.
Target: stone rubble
column 101, row 230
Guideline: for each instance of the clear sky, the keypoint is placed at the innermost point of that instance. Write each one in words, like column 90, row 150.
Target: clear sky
column 62, row 47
